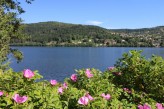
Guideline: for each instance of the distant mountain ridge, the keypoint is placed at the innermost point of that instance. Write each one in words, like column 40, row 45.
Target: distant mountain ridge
column 65, row 34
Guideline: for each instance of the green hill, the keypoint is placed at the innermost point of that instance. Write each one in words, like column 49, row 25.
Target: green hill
column 154, row 36
column 64, row 34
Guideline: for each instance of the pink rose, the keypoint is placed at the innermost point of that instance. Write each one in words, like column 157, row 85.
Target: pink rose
column 20, row 99
column 107, row 96
column 83, row 100
column 53, row 82
column 159, row 106
column 27, row 73
column 145, row 106
column 89, row 97
column 1, row 93
column 88, row 73
column 110, row 68
column 65, row 86
column 74, row 77
column 60, row 90
column 127, row 90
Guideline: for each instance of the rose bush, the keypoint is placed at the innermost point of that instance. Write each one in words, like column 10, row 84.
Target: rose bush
column 133, row 83
column 141, row 74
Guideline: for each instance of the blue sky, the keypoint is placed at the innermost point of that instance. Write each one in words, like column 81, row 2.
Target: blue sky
column 112, row 14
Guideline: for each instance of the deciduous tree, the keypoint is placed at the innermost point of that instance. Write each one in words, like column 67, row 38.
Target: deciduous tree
column 10, row 28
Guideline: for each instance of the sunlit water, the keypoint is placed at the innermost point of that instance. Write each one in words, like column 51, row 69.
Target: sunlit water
column 60, row 62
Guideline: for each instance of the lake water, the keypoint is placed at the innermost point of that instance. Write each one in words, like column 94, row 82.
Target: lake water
column 60, row 62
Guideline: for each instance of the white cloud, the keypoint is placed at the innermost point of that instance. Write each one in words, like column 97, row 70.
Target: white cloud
column 94, row 22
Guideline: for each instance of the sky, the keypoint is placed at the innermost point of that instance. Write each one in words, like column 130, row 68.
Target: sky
column 110, row 14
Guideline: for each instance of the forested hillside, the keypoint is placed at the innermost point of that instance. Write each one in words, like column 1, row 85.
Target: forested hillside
column 63, row 34
column 154, row 36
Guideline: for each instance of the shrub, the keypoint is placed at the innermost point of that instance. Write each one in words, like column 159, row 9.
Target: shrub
column 142, row 74
column 134, row 82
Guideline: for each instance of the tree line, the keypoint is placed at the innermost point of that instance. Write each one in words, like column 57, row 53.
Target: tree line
column 64, row 34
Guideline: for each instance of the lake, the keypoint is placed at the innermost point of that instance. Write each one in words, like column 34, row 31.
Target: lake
column 60, row 62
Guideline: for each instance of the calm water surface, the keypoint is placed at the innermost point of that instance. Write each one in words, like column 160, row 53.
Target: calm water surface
column 60, row 62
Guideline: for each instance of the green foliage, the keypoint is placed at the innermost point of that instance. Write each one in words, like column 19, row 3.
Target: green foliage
column 10, row 28
column 64, row 34
column 40, row 94
column 133, row 81
column 142, row 74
